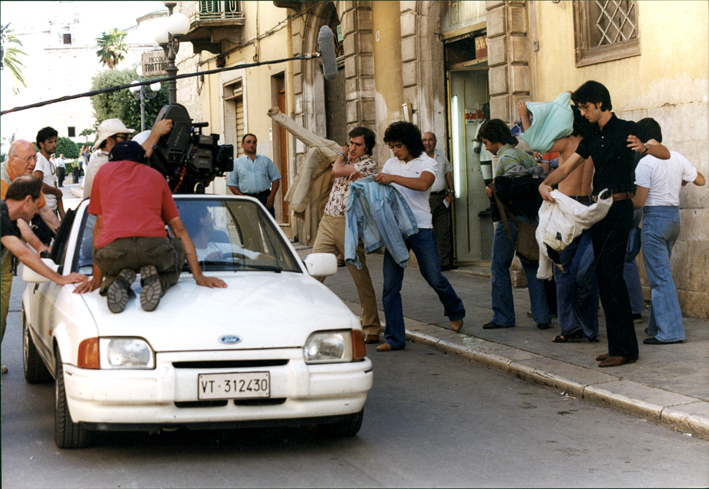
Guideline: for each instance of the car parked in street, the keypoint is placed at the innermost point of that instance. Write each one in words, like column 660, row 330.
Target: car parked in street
column 276, row 347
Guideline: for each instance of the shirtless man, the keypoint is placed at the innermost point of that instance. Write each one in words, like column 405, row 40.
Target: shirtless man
column 576, row 286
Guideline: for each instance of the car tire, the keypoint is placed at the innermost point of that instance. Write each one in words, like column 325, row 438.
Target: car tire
column 343, row 428
column 67, row 434
column 36, row 372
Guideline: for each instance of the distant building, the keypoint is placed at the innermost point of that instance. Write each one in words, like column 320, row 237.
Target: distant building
column 61, row 60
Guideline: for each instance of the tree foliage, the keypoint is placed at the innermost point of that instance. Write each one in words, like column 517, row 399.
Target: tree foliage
column 121, row 104
column 112, row 47
column 9, row 57
column 86, row 133
column 67, row 147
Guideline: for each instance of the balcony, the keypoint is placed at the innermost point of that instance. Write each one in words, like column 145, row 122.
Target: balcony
column 212, row 22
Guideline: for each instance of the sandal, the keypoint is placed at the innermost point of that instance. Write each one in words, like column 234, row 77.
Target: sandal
column 575, row 336
column 340, row 263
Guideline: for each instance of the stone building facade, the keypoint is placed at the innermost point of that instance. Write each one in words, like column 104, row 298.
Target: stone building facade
column 436, row 63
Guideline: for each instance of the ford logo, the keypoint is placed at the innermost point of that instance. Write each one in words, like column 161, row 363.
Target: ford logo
column 230, row 339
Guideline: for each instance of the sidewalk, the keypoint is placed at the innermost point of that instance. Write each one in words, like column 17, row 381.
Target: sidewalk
column 669, row 384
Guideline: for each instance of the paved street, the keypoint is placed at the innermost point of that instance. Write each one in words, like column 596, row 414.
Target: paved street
column 431, row 420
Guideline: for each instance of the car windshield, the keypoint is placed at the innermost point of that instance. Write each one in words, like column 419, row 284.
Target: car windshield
column 228, row 234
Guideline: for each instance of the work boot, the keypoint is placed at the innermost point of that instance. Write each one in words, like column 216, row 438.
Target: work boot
column 152, row 290
column 117, row 295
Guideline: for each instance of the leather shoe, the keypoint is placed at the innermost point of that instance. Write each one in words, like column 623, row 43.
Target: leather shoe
column 654, row 341
column 543, row 326
column 492, row 325
column 457, row 325
column 600, row 358
column 615, row 361
column 371, row 338
column 384, row 347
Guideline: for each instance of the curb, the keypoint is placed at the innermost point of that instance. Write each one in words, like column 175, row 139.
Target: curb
column 682, row 413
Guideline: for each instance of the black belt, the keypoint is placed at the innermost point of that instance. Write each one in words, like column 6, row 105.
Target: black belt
column 584, row 199
column 258, row 194
column 439, row 192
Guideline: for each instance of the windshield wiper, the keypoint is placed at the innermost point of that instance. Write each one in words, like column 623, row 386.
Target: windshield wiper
column 269, row 268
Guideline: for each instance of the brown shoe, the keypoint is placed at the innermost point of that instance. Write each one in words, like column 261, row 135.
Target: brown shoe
column 371, row 338
column 600, row 358
column 615, row 361
column 384, row 347
column 457, row 325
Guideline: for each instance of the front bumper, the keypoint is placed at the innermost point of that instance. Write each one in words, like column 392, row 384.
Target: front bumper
column 167, row 395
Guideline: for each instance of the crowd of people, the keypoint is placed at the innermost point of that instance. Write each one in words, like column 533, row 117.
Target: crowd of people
column 601, row 158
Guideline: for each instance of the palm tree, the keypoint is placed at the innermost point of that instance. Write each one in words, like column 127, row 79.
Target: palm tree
column 9, row 57
column 113, row 47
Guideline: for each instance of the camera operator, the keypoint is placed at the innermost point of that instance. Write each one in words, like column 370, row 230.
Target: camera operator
column 126, row 241
column 111, row 132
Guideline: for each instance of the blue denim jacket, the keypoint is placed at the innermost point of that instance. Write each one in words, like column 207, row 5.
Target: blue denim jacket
column 380, row 215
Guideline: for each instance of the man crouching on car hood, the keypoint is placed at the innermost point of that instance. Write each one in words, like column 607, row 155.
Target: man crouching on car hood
column 132, row 203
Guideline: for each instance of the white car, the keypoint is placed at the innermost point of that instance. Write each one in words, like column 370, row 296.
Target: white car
column 274, row 348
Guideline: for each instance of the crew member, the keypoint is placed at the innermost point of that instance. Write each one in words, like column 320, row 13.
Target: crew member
column 254, row 175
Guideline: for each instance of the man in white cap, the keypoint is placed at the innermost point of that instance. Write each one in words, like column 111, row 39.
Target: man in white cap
column 110, row 132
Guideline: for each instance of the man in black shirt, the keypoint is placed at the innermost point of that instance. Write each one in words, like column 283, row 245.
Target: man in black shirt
column 22, row 201
column 611, row 142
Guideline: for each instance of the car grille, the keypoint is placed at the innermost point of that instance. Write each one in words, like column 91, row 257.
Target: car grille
column 222, row 403
column 230, row 364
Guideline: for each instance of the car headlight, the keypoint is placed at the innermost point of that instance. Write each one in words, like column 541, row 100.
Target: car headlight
column 329, row 347
column 126, row 353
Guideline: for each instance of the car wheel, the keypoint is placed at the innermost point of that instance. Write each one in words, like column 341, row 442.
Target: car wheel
column 67, row 434
column 343, row 428
column 36, row 371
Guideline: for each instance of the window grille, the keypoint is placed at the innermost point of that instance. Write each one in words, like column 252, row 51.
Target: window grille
column 615, row 21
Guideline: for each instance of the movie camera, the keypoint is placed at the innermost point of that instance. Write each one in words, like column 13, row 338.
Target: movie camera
column 188, row 159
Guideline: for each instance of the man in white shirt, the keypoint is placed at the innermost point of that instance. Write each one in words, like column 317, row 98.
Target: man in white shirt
column 440, row 200
column 658, row 185
column 45, row 170
column 412, row 173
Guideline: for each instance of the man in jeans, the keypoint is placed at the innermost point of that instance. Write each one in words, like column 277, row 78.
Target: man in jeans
column 351, row 164
column 576, row 287
column 498, row 140
column 412, row 173
column 659, row 183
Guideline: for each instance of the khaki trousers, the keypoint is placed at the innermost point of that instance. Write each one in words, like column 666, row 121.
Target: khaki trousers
column 331, row 239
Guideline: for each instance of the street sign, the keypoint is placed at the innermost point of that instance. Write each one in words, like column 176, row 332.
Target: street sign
column 154, row 63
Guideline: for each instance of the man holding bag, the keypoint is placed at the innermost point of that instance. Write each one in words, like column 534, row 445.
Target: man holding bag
column 498, row 140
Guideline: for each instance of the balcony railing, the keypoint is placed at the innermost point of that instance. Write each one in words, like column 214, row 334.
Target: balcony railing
column 217, row 10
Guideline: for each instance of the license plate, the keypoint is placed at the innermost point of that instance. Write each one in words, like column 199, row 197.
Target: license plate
column 246, row 385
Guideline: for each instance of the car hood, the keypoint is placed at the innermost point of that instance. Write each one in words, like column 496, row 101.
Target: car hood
column 264, row 309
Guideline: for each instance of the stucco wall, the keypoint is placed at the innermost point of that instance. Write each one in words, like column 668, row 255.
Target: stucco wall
column 669, row 82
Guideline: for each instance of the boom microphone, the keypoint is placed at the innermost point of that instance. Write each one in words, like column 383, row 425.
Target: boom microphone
column 327, row 49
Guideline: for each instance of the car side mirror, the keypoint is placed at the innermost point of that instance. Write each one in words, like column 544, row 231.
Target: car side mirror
column 321, row 264
column 32, row 277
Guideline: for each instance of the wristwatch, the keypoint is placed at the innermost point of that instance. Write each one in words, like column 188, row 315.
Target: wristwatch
column 343, row 154
column 647, row 148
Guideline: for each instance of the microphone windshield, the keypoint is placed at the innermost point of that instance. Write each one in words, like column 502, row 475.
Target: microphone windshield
column 327, row 50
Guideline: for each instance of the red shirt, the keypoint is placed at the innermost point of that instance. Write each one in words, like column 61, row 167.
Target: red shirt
column 134, row 200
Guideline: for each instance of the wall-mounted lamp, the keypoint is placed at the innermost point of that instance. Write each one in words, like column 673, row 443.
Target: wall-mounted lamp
column 408, row 112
